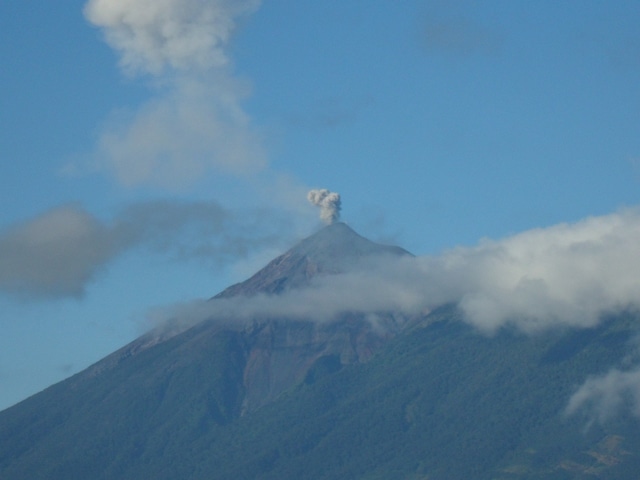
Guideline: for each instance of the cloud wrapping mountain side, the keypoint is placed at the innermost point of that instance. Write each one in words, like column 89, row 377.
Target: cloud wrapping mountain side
column 564, row 275
column 602, row 397
column 152, row 35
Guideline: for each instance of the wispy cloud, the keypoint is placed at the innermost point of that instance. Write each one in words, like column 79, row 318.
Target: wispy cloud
column 187, row 132
column 604, row 396
column 459, row 36
column 194, row 124
column 200, row 230
column 330, row 112
column 58, row 253
column 452, row 28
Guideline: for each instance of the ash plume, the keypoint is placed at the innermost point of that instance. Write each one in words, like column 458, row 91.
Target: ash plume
column 329, row 203
column 155, row 36
column 194, row 124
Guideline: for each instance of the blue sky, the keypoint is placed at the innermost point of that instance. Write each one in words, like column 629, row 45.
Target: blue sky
column 164, row 170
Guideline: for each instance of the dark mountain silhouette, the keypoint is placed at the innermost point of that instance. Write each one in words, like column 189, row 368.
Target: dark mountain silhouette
column 427, row 397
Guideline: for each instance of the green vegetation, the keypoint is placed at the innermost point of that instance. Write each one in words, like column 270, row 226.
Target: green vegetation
column 440, row 401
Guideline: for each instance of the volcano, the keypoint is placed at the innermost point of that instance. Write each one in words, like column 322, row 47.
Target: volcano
column 273, row 398
column 334, row 249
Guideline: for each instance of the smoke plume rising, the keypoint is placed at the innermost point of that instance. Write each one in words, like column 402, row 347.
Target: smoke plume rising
column 155, row 35
column 194, row 122
column 329, row 203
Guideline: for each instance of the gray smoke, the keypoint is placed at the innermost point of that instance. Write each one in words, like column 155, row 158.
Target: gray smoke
column 195, row 123
column 329, row 203
column 59, row 252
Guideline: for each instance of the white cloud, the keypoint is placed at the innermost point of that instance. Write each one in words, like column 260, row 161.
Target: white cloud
column 604, row 396
column 566, row 274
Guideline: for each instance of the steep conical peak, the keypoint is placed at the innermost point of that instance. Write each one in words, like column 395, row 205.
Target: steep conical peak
column 334, row 249
column 338, row 242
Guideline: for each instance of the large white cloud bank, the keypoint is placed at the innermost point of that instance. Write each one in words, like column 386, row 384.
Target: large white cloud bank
column 566, row 274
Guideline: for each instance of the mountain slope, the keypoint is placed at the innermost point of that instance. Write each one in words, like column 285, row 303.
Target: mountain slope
column 278, row 353
column 291, row 399
column 180, row 385
column 445, row 402
column 439, row 402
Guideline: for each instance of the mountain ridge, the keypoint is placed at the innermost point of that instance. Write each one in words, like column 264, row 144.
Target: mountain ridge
column 334, row 249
